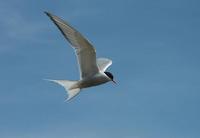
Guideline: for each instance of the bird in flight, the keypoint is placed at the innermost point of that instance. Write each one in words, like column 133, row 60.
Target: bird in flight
column 92, row 70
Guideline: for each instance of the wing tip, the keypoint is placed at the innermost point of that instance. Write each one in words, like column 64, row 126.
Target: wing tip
column 47, row 13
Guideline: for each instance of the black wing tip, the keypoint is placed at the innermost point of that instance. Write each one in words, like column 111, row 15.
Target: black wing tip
column 47, row 13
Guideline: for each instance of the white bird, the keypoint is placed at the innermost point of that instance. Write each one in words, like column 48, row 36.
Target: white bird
column 92, row 70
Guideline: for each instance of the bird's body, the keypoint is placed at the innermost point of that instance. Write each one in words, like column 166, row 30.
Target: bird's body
column 94, row 80
column 92, row 70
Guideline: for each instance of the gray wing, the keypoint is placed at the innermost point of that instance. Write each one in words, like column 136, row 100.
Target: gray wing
column 85, row 52
column 103, row 63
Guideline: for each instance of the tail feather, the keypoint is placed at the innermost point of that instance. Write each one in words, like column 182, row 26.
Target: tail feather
column 72, row 93
column 67, row 85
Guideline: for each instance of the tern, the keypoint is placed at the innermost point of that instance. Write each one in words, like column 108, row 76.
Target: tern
column 92, row 70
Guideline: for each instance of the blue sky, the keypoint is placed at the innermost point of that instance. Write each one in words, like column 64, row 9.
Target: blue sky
column 155, row 49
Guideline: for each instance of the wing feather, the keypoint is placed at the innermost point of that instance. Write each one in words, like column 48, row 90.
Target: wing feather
column 103, row 63
column 86, row 54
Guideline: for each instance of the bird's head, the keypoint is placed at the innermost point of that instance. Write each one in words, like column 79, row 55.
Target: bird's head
column 110, row 76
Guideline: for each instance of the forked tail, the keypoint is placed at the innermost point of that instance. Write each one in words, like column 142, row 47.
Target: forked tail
column 67, row 85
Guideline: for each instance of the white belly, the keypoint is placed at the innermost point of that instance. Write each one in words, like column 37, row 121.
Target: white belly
column 93, row 81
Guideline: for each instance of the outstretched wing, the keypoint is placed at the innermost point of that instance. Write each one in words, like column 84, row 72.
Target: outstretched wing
column 103, row 63
column 85, row 52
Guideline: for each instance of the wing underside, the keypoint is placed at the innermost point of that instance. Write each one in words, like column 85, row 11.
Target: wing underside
column 103, row 63
column 85, row 52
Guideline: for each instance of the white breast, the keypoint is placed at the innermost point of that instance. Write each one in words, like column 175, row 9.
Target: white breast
column 97, row 79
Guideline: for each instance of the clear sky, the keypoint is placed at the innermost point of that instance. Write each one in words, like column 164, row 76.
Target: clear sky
column 155, row 50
